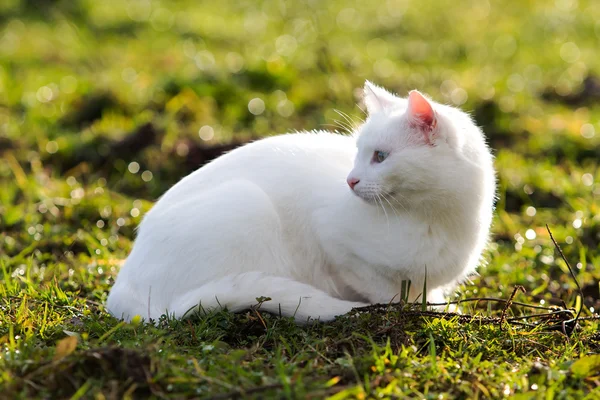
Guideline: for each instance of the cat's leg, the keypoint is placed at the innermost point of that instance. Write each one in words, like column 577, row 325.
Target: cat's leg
column 183, row 243
column 240, row 292
column 439, row 297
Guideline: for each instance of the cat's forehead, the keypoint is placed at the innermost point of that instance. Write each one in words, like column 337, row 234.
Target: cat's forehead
column 384, row 129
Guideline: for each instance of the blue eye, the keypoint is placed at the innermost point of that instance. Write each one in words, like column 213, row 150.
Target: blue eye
column 380, row 156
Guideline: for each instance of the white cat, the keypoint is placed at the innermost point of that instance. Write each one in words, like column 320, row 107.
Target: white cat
column 320, row 222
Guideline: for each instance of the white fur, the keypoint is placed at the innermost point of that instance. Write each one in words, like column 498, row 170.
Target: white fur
column 275, row 218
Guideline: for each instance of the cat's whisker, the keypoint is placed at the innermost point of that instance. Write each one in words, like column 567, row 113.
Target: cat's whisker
column 343, row 127
column 337, row 128
column 392, row 194
column 348, row 128
column 361, row 109
column 378, row 197
column 355, row 118
column 395, row 199
column 344, row 116
column 393, row 208
column 349, row 119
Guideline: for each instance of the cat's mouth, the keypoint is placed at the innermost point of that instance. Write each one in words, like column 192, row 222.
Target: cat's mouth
column 369, row 197
column 379, row 198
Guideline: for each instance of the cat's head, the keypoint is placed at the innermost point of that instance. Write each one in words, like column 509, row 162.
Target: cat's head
column 415, row 153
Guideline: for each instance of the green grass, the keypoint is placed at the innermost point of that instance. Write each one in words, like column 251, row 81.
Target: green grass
column 105, row 105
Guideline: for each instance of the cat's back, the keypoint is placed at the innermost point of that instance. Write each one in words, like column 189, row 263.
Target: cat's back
column 314, row 158
column 289, row 150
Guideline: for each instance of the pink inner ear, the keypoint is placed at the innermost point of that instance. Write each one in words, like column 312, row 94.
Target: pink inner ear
column 420, row 110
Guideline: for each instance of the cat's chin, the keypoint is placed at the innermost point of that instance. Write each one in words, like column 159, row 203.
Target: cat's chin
column 369, row 198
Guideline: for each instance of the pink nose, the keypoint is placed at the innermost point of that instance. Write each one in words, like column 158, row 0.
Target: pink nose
column 352, row 182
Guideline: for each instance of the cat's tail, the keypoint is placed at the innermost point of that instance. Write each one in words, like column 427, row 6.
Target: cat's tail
column 240, row 292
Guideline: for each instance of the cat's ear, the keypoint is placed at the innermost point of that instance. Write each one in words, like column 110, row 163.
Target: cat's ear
column 377, row 99
column 421, row 114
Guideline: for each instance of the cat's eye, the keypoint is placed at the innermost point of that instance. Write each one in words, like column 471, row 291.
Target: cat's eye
column 380, row 156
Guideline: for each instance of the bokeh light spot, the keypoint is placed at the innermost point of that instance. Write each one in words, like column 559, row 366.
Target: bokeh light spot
column 285, row 108
column 52, row 147
column 44, row 94
column 587, row 179
column 530, row 234
column 256, row 106
column 459, row 96
column 147, row 176
column 133, row 167
column 587, row 131
column 207, row 132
